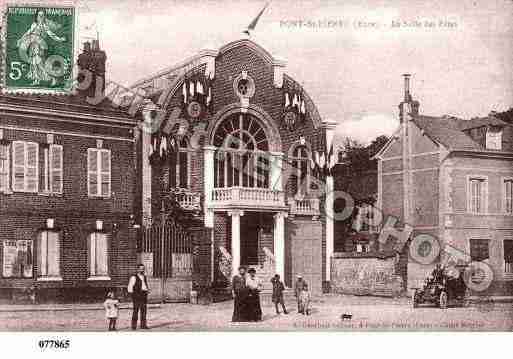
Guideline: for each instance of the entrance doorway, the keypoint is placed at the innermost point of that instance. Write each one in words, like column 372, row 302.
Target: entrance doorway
column 255, row 233
column 249, row 229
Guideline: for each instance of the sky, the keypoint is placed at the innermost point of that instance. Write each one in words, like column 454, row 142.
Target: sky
column 459, row 52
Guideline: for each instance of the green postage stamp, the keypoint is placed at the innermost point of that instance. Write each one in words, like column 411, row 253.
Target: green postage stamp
column 39, row 48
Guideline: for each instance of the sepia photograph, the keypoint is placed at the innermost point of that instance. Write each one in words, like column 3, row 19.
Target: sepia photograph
column 255, row 166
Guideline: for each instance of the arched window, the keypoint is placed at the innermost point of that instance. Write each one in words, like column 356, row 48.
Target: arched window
column 180, row 166
column 301, row 164
column 242, row 159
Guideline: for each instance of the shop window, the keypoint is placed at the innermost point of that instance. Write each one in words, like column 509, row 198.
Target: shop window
column 17, row 259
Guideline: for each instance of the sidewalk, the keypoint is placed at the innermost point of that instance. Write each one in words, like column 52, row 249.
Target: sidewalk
column 57, row 307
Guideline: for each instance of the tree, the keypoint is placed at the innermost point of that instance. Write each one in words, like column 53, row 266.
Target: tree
column 357, row 156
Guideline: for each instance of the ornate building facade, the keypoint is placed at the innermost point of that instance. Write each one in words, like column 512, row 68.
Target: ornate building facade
column 239, row 145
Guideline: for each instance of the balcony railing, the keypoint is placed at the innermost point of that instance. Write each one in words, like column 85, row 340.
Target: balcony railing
column 305, row 206
column 247, row 197
column 189, row 201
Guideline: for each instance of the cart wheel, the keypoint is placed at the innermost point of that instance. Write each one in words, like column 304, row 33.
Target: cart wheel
column 414, row 299
column 443, row 300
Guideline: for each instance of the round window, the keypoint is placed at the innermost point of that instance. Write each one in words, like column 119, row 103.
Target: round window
column 244, row 86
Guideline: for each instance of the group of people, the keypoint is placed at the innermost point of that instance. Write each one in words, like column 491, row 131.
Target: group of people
column 138, row 289
column 246, row 289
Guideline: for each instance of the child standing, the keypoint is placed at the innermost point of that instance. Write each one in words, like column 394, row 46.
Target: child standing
column 278, row 289
column 111, row 305
column 304, row 300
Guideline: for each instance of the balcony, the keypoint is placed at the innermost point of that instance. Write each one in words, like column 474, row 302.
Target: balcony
column 188, row 201
column 305, row 207
column 247, row 198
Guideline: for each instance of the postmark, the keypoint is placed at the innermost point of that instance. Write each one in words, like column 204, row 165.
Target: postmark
column 39, row 44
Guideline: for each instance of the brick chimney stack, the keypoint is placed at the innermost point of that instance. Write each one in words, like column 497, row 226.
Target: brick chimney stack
column 93, row 60
column 408, row 105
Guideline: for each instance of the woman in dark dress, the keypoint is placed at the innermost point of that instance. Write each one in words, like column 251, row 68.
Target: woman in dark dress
column 239, row 292
column 253, row 308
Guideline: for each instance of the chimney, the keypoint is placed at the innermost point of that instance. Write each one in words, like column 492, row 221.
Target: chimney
column 407, row 96
column 93, row 60
column 408, row 105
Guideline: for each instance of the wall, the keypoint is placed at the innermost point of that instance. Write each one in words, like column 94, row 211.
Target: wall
column 24, row 215
column 365, row 274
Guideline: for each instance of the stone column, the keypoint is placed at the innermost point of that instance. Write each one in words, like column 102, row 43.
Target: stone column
column 279, row 243
column 208, row 180
column 235, row 214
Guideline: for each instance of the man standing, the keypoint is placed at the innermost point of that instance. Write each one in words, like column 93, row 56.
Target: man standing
column 239, row 293
column 138, row 288
column 298, row 288
column 277, row 298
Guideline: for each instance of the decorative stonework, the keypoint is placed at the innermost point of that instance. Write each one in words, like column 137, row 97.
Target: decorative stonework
column 244, row 88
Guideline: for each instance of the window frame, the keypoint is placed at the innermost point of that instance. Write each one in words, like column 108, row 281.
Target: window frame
column 484, row 194
column 507, row 274
column 504, row 181
column 25, row 167
column 46, row 276
column 487, row 240
column 99, row 173
column 93, row 274
column 5, row 147
column 498, row 136
column 297, row 160
column 178, row 164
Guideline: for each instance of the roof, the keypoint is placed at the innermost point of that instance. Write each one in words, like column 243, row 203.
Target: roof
column 480, row 122
column 70, row 103
column 447, row 131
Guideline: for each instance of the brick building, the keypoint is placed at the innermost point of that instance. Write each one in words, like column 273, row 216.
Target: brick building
column 235, row 143
column 452, row 179
column 67, row 189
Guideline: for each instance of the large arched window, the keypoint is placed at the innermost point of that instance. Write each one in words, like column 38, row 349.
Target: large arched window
column 242, row 158
column 301, row 164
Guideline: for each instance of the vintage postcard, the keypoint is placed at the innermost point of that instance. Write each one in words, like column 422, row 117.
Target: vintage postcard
column 256, row 166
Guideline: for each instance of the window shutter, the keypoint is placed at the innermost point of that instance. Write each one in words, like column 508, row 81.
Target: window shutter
column 92, row 254
column 4, row 167
column 92, row 172
column 53, row 254
column 56, row 169
column 43, row 253
column 101, row 254
column 105, row 172
column 18, row 181
column 31, row 173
